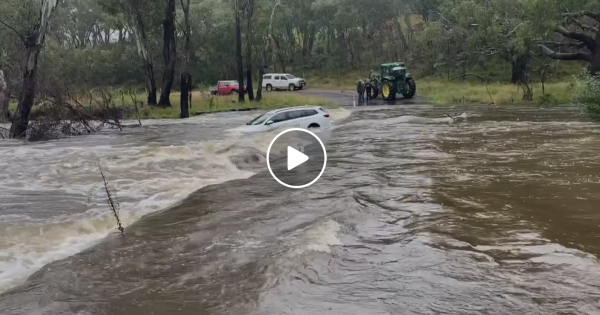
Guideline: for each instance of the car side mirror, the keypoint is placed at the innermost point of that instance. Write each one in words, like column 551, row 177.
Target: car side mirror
column 270, row 122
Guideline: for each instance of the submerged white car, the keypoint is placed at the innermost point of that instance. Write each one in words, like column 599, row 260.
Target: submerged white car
column 306, row 117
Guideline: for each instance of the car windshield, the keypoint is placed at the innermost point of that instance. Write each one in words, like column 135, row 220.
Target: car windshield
column 289, row 76
column 258, row 120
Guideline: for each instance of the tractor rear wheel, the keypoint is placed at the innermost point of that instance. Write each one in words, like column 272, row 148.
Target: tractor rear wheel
column 411, row 88
column 388, row 91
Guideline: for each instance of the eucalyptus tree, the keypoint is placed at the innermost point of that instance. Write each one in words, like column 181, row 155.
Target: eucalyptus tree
column 169, row 54
column 575, row 25
column 185, row 79
column 141, row 17
column 237, row 11
column 30, row 22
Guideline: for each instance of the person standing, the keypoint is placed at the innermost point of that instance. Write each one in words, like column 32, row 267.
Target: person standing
column 368, row 89
column 360, row 89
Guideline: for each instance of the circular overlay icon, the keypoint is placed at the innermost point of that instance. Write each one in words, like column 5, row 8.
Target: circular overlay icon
column 296, row 158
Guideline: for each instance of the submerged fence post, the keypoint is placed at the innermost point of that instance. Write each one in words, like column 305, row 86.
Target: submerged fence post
column 353, row 101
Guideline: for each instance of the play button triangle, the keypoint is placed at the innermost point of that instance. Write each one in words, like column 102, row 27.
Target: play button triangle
column 295, row 158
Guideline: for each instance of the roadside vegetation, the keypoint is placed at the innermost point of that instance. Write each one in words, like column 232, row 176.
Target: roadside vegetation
column 522, row 51
column 203, row 104
column 557, row 89
column 587, row 94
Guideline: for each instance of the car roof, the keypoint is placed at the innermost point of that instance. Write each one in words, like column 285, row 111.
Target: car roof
column 277, row 74
column 277, row 111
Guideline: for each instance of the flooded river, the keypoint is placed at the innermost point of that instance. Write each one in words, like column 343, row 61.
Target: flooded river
column 494, row 211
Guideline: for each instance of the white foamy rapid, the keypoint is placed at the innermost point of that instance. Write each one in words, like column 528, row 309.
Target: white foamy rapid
column 52, row 202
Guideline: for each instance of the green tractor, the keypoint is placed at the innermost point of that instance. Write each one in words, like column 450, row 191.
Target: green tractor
column 393, row 79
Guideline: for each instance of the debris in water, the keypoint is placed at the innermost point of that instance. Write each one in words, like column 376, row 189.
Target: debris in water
column 111, row 199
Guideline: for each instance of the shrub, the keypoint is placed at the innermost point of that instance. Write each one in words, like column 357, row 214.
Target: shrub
column 587, row 94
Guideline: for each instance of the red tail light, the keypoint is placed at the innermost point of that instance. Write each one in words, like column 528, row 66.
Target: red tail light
column 326, row 115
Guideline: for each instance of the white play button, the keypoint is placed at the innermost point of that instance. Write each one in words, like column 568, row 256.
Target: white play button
column 293, row 148
column 295, row 158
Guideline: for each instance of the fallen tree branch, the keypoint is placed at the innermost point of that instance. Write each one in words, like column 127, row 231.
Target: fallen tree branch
column 560, row 44
column 588, row 41
column 112, row 201
column 589, row 14
column 566, row 56
column 582, row 25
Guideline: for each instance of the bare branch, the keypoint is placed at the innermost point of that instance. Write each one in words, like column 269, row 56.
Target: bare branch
column 442, row 16
column 590, row 14
column 561, row 44
column 583, row 25
column 14, row 30
column 588, row 41
column 112, row 201
column 515, row 29
column 566, row 56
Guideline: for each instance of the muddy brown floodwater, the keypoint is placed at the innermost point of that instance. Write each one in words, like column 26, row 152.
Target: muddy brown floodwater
column 494, row 211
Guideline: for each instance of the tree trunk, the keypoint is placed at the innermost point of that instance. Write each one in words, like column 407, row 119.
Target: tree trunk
column 186, row 78
column 27, row 96
column 282, row 62
column 150, row 82
column 595, row 64
column 139, row 33
column 33, row 42
column 519, row 67
column 249, row 14
column 169, row 53
column 238, row 53
column 4, row 98
column 403, row 42
column 249, row 85
column 261, row 73
column 586, row 41
column 184, row 99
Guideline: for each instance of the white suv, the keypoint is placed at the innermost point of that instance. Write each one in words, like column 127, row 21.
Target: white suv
column 306, row 117
column 282, row 81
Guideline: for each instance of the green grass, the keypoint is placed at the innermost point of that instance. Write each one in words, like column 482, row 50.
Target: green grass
column 205, row 103
column 458, row 92
column 442, row 91
column 212, row 104
column 335, row 80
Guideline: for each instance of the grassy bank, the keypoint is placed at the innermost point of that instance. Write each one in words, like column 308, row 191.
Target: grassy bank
column 202, row 103
column 458, row 92
column 442, row 91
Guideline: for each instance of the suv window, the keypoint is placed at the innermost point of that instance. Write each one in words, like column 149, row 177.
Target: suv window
column 276, row 77
column 309, row 112
column 289, row 76
column 284, row 78
column 279, row 118
column 295, row 114
column 267, row 77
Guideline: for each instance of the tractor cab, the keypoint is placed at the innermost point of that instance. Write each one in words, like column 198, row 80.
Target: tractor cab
column 394, row 69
